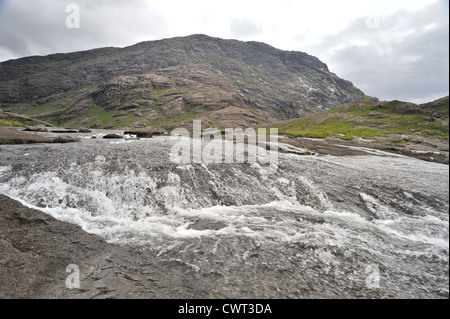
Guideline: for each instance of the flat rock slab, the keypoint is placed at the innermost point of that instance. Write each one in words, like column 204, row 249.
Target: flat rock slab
column 14, row 136
column 113, row 136
column 36, row 250
column 64, row 131
column 35, row 129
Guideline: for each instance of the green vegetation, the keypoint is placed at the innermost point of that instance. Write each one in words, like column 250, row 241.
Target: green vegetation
column 161, row 91
column 12, row 123
column 6, row 142
column 369, row 120
column 101, row 118
column 164, row 121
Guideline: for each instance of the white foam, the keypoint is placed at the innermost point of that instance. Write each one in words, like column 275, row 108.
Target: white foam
column 4, row 170
column 125, row 141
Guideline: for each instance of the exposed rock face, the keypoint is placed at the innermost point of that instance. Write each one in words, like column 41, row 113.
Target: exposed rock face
column 151, row 82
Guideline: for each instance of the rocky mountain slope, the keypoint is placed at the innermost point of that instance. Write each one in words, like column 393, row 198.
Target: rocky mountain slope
column 167, row 82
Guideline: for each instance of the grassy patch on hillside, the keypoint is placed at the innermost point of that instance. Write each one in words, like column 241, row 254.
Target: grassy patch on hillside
column 368, row 120
column 13, row 123
column 101, row 118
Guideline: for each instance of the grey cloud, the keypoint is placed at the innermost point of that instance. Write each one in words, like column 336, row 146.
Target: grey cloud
column 244, row 28
column 406, row 58
column 38, row 27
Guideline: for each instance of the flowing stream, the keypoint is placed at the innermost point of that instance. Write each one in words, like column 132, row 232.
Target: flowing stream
column 374, row 226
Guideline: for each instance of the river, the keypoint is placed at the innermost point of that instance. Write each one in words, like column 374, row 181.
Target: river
column 373, row 226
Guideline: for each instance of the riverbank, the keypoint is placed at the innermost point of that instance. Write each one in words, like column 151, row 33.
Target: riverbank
column 430, row 150
column 12, row 136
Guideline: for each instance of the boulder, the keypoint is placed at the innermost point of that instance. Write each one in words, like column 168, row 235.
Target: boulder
column 66, row 139
column 145, row 133
column 65, row 131
column 35, row 129
column 140, row 133
column 113, row 136
column 84, row 130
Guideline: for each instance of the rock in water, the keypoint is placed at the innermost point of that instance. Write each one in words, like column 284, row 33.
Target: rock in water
column 113, row 136
column 84, row 130
column 66, row 139
column 35, row 129
column 65, row 131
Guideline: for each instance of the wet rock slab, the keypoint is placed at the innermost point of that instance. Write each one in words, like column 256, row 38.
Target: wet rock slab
column 36, row 249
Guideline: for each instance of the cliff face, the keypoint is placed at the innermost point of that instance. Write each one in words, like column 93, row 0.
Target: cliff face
column 172, row 80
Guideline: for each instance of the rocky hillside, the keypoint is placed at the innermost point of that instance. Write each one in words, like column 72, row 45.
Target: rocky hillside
column 163, row 83
column 411, row 129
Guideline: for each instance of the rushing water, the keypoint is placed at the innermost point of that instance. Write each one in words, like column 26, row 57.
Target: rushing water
column 320, row 226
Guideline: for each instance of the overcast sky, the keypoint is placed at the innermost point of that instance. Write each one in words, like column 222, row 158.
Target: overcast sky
column 391, row 49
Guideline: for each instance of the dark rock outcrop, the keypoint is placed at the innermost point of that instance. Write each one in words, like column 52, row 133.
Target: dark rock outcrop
column 145, row 133
column 65, row 131
column 113, row 136
column 66, row 139
column 35, row 129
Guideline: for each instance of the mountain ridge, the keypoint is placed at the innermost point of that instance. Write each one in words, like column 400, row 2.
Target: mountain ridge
column 158, row 83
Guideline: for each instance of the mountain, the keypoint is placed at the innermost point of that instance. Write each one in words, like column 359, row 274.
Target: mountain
column 167, row 82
